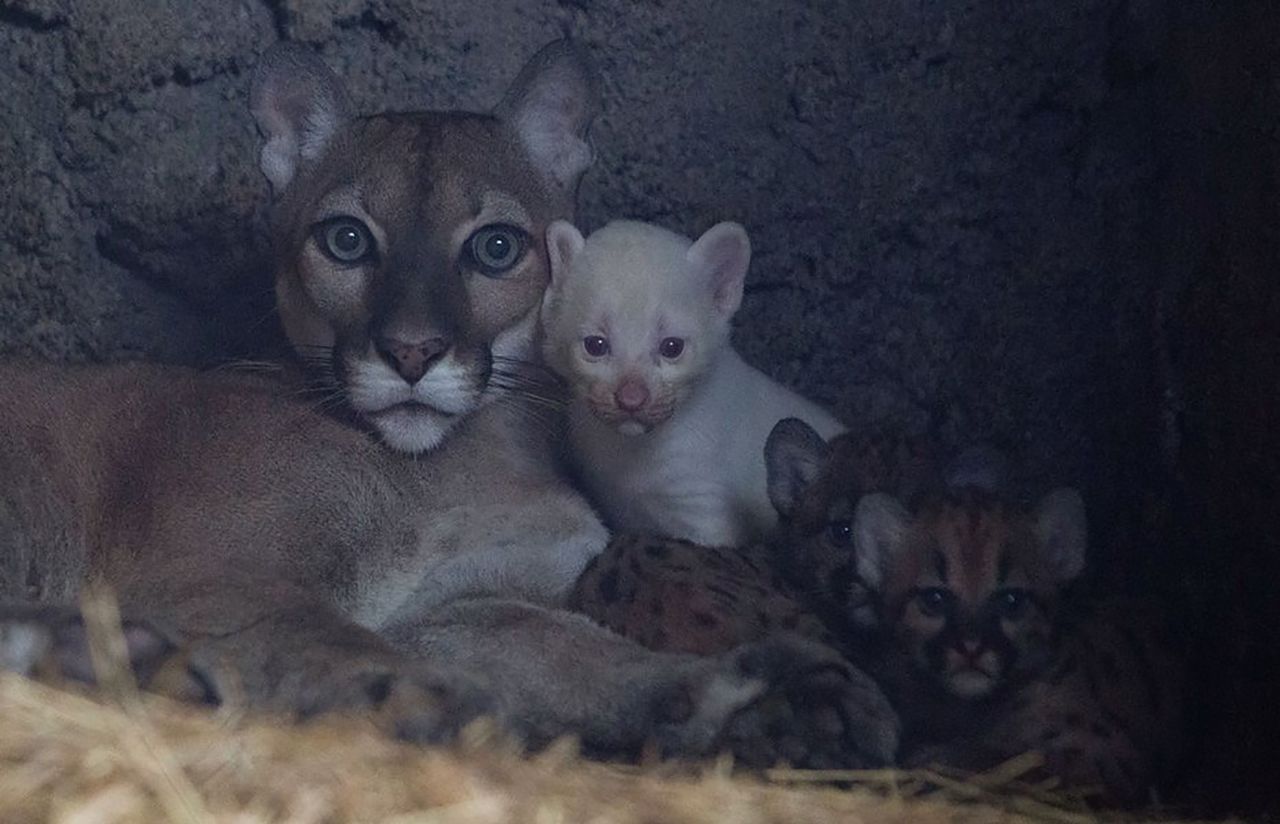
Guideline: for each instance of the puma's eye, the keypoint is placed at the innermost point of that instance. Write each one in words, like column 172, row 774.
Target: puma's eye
column 344, row 239
column 840, row 533
column 595, row 346
column 494, row 249
column 933, row 601
column 671, row 347
column 1011, row 603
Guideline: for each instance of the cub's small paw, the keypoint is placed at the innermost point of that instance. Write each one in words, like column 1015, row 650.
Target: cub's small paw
column 817, row 710
column 404, row 699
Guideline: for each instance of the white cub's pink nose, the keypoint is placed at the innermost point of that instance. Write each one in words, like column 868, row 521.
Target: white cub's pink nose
column 631, row 395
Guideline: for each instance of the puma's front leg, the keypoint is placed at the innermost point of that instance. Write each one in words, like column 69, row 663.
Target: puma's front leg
column 249, row 637
column 555, row 673
column 533, row 550
column 305, row 660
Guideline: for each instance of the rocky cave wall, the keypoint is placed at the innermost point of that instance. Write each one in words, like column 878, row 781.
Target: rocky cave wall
column 946, row 199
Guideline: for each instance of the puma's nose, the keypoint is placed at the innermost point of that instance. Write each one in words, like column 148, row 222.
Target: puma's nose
column 631, row 395
column 411, row 359
column 970, row 647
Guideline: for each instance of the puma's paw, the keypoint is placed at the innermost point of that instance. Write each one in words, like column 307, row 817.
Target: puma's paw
column 404, row 699
column 52, row 644
column 816, row 710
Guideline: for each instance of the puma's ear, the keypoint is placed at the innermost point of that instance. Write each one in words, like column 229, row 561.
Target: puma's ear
column 299, row 106
column 721, row 257
column 564, row 241
column 551, row 105
column 879, row 526
column 794, row 455
column 1063, row 532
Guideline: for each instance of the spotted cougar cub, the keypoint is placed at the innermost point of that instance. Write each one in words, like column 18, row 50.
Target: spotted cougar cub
column 667, row 424
column 989, row 646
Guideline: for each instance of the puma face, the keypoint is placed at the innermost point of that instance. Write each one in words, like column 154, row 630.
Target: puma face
column 636, row 315
column 407, row 244
column 970, row 583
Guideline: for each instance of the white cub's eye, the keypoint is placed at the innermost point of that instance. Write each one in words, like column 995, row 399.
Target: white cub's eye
column 595, row 346
column 495, row 248
column 344, row 239
column 671, row 347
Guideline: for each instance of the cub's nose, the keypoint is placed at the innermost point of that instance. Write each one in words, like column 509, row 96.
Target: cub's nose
column 411, row 359
column 970, row 647
column 631, row 395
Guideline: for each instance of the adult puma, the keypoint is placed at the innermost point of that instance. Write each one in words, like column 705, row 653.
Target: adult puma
column 323, row 569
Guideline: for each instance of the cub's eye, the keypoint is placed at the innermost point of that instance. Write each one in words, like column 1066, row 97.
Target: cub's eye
column 1011, row 603
column 595, row 346
column 495, row 248
column 344, row 239
column 671, row 347
column 840, row 533
column 933, row 601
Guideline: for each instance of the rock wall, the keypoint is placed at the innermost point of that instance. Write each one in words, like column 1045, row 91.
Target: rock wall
column 946, row 199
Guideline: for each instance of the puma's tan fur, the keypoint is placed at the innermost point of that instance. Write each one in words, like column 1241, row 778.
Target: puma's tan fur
column 319, row 568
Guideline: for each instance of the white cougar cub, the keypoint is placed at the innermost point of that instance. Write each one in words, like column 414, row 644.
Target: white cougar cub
column 667, row 424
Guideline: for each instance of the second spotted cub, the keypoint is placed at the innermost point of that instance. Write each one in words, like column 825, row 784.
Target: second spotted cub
column 992, row 656
column 667, row 424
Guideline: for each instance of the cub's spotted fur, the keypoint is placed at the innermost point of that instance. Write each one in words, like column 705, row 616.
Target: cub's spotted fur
column 674, row 595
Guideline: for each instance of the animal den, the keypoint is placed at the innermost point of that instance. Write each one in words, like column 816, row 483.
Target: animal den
column 686, row 411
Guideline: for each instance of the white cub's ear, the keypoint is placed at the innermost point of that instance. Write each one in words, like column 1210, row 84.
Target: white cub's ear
column 564, row 241
column 551, row 105
column 794, row 455
column 721, row 256
column 1063, row 532
column 299, row 106
column 880, row 526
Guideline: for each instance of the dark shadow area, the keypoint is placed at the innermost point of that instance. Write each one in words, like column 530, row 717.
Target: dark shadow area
column 1219, row 318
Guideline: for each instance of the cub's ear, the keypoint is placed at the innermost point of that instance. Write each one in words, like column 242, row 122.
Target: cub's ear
column 794, row 455
column 1063, row 532
column 299, row 106
column 551, row 105
column 721, row 257
column 564, row 241
column 879, row 527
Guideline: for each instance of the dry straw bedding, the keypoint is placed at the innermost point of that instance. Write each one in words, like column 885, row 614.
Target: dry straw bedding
column 121, row 756
column 69, row 757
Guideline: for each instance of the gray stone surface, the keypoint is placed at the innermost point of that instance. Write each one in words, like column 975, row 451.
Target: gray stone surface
column 948, row 199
